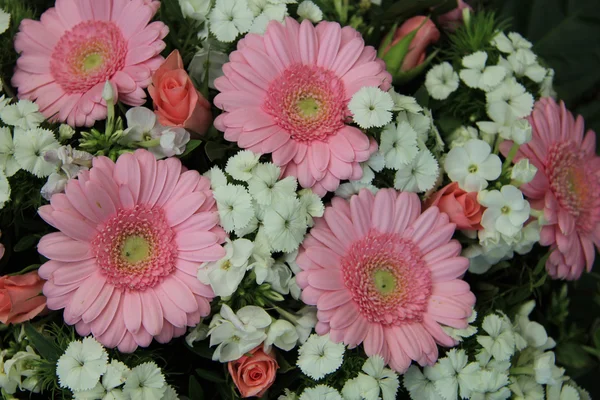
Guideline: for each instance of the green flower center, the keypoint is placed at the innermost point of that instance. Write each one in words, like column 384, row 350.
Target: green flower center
column 92, row 61
column 309, row 107
column 384, row 281
column 135, row 249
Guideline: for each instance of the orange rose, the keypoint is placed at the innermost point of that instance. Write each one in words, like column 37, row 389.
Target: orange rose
column 176, row 100
column 253, row 374
column 20, row 298
column 462, row 207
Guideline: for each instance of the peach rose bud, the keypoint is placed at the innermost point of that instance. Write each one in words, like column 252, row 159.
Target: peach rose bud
column 253, row 374
column 21, row 298
column 176, row 101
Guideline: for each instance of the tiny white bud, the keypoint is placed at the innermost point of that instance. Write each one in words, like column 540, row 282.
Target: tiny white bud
column 108, row 94
column 523, row 171
column 521, row 132
column 65, row 132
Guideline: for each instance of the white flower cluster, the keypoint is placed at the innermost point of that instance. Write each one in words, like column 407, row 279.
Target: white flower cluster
column 84, row 368
column 230, row 18
column 260, row 205
column 513, row 360
column 236, row 333
column 145, row 131
column 19, row 371
column 375, row 382
column 403, row 144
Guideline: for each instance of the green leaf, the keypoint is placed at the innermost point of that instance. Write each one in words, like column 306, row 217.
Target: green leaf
column 191, row 146
column 541, row 263
column 195, row 391
column 408, row 8
column 571, row 354
column 201, row 349
column 32, row 267
column 26, row 243
column 284, row 365
column 215, row 150
column 210, row 376
column 42, row 344
column 387, row 40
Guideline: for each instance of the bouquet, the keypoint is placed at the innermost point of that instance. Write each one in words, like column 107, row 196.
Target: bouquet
column 322, row 199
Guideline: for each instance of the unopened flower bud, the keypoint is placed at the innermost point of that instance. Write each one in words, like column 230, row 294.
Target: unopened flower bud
column 523, row 171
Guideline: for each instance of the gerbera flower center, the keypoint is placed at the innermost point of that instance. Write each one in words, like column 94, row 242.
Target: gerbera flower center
column 575, row 184
column 89, row 54
column 387, row 278
column 308, row 102
column 136, row 248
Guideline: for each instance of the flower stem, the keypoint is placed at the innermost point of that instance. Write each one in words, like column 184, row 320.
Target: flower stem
column 511, row 155
column 149, row 143
column 521, row 371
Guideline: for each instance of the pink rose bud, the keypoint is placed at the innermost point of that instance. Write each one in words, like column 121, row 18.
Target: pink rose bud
column 462, row 207
column 424, row 34
column 453, row 19
column 254, row 373
column 21, row 298
column 177, row 103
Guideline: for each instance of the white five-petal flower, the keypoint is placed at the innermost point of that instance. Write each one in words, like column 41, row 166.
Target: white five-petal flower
column 441, row 81
column 473, row 165
column 371, row 107
column 476, row 75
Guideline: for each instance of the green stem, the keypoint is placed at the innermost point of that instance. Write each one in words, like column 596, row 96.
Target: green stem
column 110, row 120
column 149, row 143
column 521, row 371
column 511, row 155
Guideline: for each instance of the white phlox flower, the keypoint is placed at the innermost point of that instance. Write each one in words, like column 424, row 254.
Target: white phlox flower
column 506, row 211
column 512, row 43
column 281, row 334
column 441, row 81
column 404, row 103
column 195, row 9
column 501, row 340
column 285, row 224
column 473, row 165
column 479, row 76
column 509, row 102
column 523, row 171
column 145, row 382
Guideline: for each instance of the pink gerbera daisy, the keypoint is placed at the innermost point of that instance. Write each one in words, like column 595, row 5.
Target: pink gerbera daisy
column 287, row 93
column 385, row 275
column 132, row 235
column 566, row 187
column 67, row 56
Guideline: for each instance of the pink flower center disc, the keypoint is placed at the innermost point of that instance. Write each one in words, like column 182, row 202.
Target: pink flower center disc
column 308, row 102
column 388, row 279
column 136, row 248
column 89, row 54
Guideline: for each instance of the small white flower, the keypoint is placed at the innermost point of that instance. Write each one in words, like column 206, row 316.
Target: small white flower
column 235, row 206
column 170, row 394
column 398, row 145
column 24, row 114
column 108, row 92
column 8, row 163
column 506, row 211
column 404, row 103
column 195, row 9
column 30, row 147
column 19, row 371
column 4, row 21
column 237, row 333
column 225, row 275
column 375, row 163
column 363, row 387
column 562, row 392
column 141, row 123
column 281, row 334
column 386, row 379
column 349, row 189
column 240, row 166
column 313, row 205
column 108, row 388
column 229, row 18
column 519, row 132
column 4, row 190
column 441, row 81
column 526, row 388
column 68, row 162
column 473, row 165
column 172, row 142
column 264, row 184
column 371, row 107
column 509, row 102
column 422, row 124
column 310, row 11
column 501, row 340
column 456, row 373
column 523, row 62
column 320, row 392
column 460, row 334
column 476, row 75
column 543, row 366
column 421, row 385
column 217, row 177
column 547, row 85
column 523, row 172
column 285, row 224
column 510, row 44
column 461, row 135
column 319, row 356
column 494, row 387
column 420, row 175
column 145, row 382
column 65, row 132
column 56, row 183
column 82, row 365
column 288, row 395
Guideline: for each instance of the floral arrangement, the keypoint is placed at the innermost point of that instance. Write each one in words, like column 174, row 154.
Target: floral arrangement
column 265, row 198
